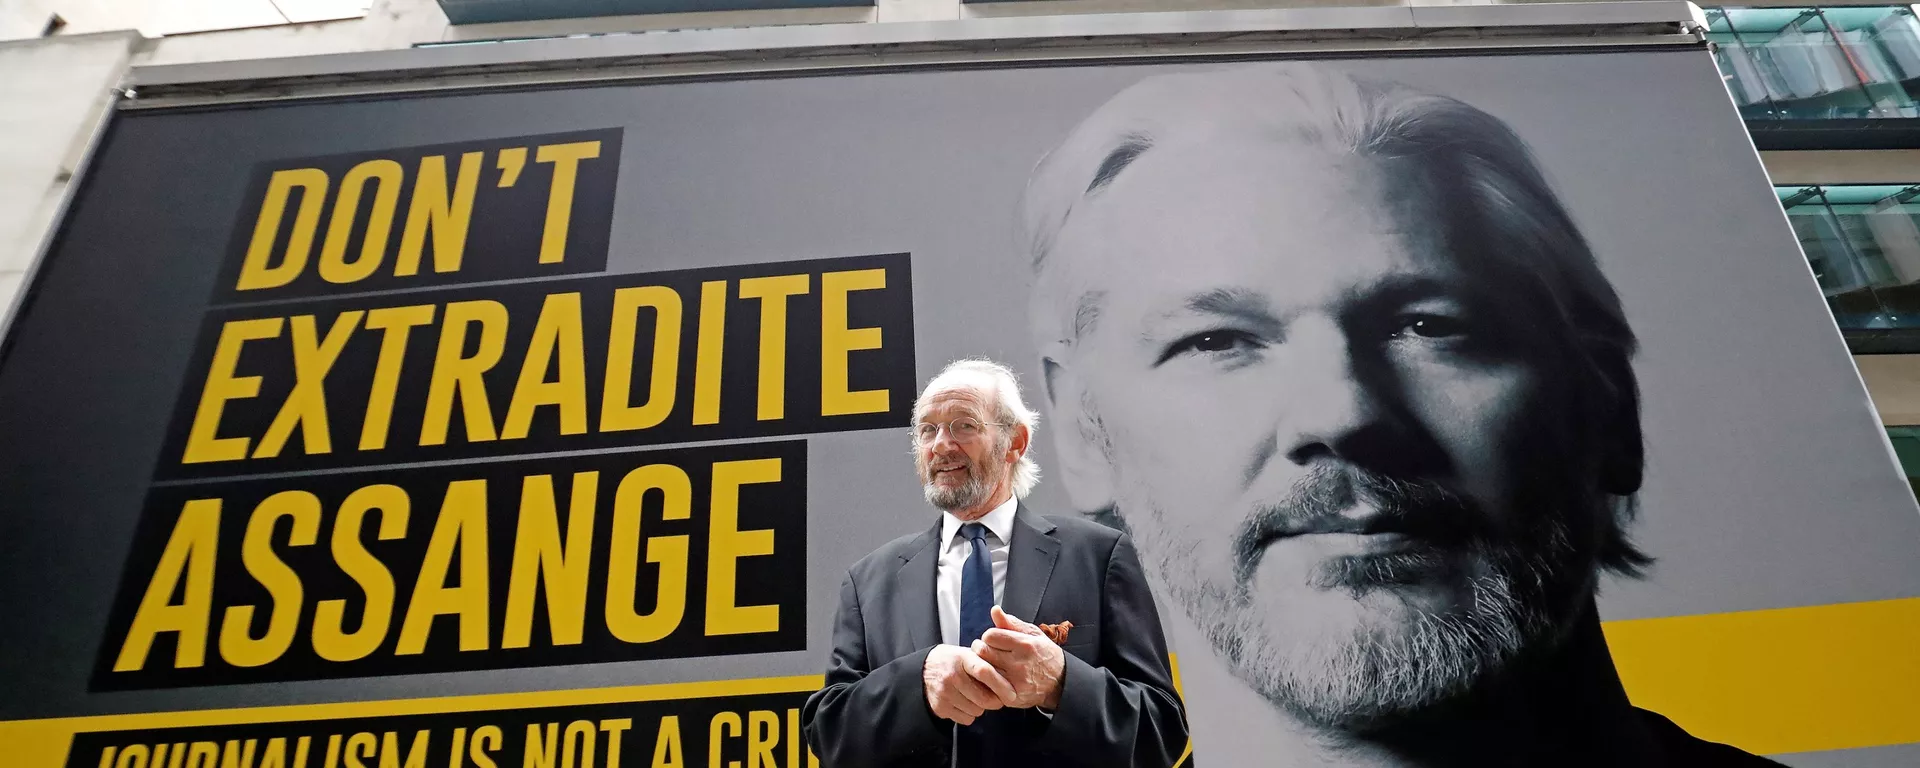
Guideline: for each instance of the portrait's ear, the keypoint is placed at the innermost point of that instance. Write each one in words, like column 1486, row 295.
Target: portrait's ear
column 1083, row 467
column 1623, row 468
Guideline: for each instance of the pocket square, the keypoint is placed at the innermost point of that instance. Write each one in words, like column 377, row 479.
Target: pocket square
column 1057, row 632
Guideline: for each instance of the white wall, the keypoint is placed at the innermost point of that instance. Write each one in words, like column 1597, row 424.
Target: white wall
column 1843, row 166
column 1893, row 381
column 25, row 19
column 52, row 93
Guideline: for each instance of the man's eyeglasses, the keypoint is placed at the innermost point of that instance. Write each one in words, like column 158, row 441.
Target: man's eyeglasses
column 963, row 428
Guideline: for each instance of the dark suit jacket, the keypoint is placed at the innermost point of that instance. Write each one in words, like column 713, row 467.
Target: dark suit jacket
column 1684, row 750
column 1117, row 703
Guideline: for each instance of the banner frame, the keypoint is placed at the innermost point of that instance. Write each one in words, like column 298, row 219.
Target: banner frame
column 765, row 51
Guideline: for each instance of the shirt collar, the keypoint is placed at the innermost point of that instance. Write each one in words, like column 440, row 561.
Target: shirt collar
column 1000, row 521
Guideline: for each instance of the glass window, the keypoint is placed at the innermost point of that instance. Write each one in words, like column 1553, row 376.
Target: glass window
column 1818, row 62
column 1863, row 242
column 1906, row 446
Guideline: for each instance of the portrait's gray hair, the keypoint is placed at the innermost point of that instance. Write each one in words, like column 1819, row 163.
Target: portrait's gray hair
column 1501, row 205
column 1001, row 387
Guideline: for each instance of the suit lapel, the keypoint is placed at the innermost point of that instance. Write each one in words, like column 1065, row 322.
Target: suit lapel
column 916, row 598
column 1030, row 559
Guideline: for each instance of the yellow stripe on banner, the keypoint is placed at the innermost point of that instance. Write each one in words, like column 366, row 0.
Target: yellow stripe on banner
column 1173, row 666
column 1784, row 680
column 43, row 743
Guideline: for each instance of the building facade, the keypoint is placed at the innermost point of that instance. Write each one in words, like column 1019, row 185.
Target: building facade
column 1828, row 95
column 1825, row 94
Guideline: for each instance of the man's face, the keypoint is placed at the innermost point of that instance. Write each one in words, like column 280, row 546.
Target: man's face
column 960, row 472
column 1320, row 432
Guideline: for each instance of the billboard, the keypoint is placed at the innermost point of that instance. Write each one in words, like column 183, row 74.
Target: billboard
column 1468, row 408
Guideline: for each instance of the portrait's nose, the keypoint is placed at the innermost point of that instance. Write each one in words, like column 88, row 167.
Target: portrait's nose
column 1333, row 405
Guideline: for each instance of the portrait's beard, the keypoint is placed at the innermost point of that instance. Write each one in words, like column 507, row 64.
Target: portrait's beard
column 1378, row 671
column 978, row 487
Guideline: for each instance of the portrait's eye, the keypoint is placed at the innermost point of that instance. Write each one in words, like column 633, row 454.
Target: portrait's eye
column 1219, row 342
column 1429, row 326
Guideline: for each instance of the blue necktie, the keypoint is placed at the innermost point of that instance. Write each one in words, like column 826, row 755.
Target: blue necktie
column 976, row 587
column 976, row 617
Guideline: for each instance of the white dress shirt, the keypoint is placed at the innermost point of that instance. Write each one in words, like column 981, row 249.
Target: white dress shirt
column 954, row 552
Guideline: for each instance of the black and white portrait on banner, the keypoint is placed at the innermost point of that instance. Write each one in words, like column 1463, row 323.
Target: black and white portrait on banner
column 1337, row 356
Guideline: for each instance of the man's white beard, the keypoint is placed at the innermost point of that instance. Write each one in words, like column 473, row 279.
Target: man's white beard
column 1379, row 675
column 964, row 496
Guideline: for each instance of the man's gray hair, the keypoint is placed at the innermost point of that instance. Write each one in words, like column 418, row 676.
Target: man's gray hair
column 1501, row 208
column 1002, row 389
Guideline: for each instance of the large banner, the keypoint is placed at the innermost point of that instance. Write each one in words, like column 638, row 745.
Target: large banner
column 1464, row 410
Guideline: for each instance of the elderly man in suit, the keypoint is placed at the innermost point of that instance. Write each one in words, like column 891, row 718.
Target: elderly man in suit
column 938, row 657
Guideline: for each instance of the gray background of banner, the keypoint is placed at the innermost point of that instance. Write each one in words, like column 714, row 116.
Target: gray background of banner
column 1770, row 482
